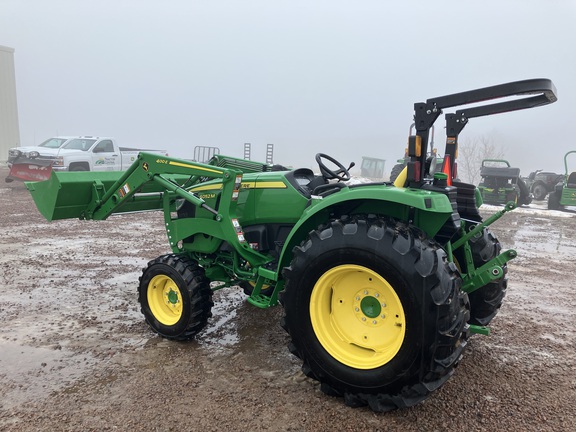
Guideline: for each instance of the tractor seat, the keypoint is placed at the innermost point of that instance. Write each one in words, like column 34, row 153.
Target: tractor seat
column 304, row 180
column 307, row 183
column 571, row 183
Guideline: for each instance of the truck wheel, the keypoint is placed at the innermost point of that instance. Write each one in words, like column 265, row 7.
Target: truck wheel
column 485, row 302
column 375, row 312
column 539, row 191
column 175, row 296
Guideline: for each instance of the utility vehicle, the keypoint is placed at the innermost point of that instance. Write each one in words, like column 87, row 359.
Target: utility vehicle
column 541, row 183
column 381, row 283
column 564, row 193
column 372, row 168
column 502, row 183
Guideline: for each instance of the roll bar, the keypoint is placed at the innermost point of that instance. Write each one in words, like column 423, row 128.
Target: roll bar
column 531, row 93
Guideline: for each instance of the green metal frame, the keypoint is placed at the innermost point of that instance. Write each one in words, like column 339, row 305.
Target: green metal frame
column 472, row 277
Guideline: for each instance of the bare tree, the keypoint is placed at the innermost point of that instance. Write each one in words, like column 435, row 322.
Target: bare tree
column 471, row 152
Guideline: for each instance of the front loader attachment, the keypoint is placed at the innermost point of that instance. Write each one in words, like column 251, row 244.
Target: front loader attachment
column 68, row 195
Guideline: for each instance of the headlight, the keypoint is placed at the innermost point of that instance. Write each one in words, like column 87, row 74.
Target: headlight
column 59, row 161
column 15, row 153
column 33, row 154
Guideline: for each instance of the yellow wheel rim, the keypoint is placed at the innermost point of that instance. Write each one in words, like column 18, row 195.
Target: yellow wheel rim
column 357, row 316
column 165, row 300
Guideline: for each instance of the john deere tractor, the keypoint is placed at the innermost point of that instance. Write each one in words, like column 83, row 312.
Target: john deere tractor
column 381, row 284
column 564, row 193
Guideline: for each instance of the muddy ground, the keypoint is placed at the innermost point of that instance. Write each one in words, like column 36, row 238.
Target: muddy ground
column 75, row 353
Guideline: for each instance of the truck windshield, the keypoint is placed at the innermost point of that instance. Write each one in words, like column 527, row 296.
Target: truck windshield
column 53, row 143
column 79, row 144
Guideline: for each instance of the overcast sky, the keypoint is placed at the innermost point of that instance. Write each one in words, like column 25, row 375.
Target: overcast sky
column 331, row 76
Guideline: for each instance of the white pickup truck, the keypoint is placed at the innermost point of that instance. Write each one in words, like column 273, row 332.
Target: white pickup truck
column 78, row 153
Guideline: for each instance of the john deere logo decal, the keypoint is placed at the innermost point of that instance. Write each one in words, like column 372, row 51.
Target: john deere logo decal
column 145, row 166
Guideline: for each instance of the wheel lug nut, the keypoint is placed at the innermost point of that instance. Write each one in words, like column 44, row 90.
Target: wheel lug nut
column 363, row 318
column 374, row 322
column 357, row 309
column 366, row 292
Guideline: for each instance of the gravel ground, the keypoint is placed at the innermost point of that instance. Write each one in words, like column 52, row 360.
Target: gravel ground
column 75, row 353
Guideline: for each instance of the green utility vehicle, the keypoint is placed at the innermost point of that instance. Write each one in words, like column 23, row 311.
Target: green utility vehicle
column 372, row 168
column 501, row 183
column 564, row 193
column 381, row 283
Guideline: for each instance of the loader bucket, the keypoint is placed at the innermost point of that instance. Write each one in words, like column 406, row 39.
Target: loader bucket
column 66, row 195
column 29, row 170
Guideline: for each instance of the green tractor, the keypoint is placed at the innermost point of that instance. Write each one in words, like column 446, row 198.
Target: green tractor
column 564, row 193
column 381, row 284
column 501, row 183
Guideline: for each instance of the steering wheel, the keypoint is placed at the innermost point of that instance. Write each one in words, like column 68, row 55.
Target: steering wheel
column 341, row 173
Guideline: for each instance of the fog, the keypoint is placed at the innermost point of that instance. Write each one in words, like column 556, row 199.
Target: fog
column 338, row 77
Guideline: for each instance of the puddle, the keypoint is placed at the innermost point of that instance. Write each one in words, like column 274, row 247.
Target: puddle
column 31, row 373
column 549, row 238
column 222, row 330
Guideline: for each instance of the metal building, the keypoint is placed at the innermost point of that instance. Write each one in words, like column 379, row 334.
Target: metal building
column 9, row 127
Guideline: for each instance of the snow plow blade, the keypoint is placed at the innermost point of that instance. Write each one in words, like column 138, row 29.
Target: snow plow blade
column 29, row 170
column 68, row 195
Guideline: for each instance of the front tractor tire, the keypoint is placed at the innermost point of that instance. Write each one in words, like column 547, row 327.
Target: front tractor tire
column 175, row 297
column 375, row 312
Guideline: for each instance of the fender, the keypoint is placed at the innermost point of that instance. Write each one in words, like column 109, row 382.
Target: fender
column 427, row 210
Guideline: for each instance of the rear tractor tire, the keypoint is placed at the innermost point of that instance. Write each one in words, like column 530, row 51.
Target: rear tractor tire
column 175, row 297
column 375, row 312
column 486, row 301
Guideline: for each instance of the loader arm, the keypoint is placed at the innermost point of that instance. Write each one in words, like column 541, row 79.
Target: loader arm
column 166, row 173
